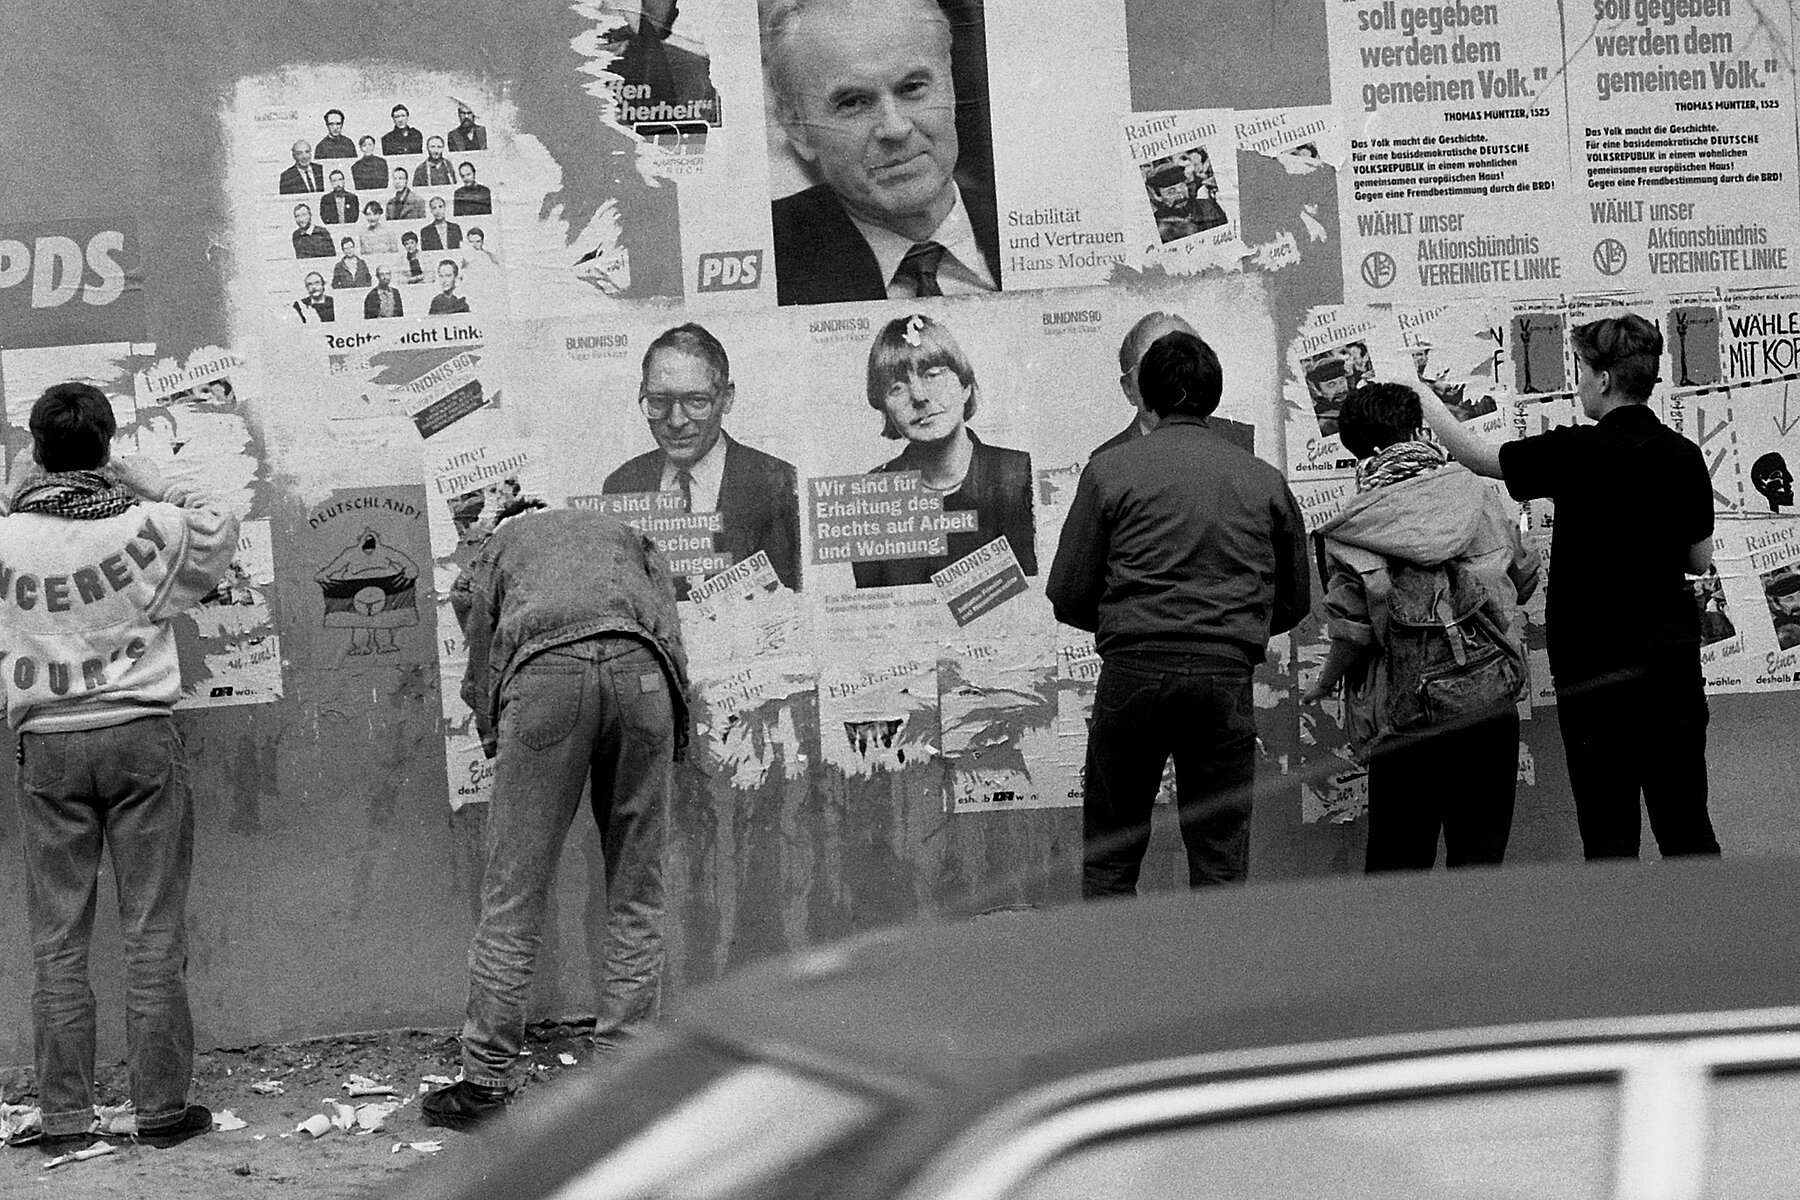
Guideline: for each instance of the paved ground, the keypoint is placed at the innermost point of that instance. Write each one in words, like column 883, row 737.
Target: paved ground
column 268, row 1158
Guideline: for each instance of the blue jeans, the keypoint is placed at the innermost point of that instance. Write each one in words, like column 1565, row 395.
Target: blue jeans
column 124, row 787
column 597, row 709
column 1147, row 707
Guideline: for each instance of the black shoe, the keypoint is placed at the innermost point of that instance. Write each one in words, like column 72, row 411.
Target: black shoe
column 64, row 1143
column 192, row 1123
column 463, row 1105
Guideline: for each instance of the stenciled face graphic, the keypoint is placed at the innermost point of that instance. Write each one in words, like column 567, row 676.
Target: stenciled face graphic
column 684, row 384
column 877, row 115
column 1776, row 483
column 927, row 405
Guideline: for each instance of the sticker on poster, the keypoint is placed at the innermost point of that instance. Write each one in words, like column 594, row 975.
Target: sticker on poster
column 994, row 698
column 229, row 650
column 365, row 549
column 1180, row 194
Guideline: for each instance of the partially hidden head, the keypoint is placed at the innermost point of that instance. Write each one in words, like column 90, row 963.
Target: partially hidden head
column 1137, row 340
column 1378, row 415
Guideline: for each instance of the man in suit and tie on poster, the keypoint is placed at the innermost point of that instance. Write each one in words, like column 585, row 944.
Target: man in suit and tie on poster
column 339, row 207
column 334, row 144
column 440, row 234
column 402, row 138
column 305, row 175
column 863, row 89
column 1131, row 351
column 685, row 394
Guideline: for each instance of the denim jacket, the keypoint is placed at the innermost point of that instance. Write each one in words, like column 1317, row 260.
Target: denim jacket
column 544, row 579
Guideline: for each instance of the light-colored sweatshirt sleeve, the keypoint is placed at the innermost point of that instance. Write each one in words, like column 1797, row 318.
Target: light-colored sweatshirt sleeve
column 208, row 540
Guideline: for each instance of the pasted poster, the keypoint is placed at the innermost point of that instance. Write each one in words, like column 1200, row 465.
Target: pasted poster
column 1681, row 121
column 1330, row 356
column 70, row 282
column 878, row 709
column 229, row 649
column 688, row 429
column 675, row 93
column 1458, row 178
column 363, row 553
column 366, row 197
column 751, row 666
column 996, row 699
column 190, row 420
column 1749, row 606
column 1058, row 227
column 1179, row 202
column 469, row 483
column 428, row 375
column 25, row 373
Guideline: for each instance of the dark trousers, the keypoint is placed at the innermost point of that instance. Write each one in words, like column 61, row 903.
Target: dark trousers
column 1641, row 731
column 1146, row 708
column 122, row 789
column 1459, row 782
column 594, row 712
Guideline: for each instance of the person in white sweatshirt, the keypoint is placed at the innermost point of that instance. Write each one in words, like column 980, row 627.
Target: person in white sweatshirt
column 96, row 559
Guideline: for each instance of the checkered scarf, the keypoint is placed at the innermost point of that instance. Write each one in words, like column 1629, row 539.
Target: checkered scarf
column 1391, row 464
column 77, row 495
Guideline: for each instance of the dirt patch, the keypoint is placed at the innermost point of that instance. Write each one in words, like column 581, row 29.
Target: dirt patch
column 268, row 1158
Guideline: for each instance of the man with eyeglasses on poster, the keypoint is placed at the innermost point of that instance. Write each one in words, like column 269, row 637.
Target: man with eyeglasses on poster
column 685, row 394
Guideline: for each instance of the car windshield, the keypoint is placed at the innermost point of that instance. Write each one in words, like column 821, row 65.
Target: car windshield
column 735, row 1138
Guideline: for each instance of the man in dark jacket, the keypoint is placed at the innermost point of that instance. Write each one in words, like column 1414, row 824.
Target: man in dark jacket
column 1183, row 554
column 576, row 675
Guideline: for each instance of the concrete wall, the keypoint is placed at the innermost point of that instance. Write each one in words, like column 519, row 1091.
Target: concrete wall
column 334, row 886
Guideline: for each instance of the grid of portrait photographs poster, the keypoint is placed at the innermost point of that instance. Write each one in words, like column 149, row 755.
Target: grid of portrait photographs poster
column 369, row 216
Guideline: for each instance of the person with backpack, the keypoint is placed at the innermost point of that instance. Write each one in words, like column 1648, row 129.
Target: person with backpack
column 1634, row 519
column 1424, row 571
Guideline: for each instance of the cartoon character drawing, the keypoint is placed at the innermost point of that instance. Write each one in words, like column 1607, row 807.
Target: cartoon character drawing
column 371, row 590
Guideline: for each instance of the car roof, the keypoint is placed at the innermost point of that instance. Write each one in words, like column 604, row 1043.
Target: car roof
column 999, row 1003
